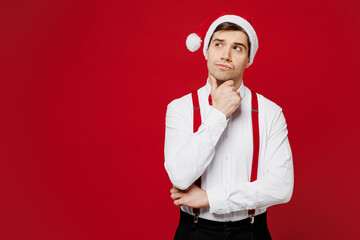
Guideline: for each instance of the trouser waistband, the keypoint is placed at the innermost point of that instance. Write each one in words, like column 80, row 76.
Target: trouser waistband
column 186, row 218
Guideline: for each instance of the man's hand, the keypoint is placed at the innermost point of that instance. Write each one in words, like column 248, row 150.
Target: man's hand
column 224, row 97
column 193, row 197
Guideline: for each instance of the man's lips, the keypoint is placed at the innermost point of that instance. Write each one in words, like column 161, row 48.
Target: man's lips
column 223, row 67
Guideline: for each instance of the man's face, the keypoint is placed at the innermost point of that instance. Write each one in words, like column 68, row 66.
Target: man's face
column 227, row 55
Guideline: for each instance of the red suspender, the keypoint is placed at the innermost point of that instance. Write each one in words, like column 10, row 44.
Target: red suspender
column 197, row 115
column 256, row 139
column 196, row 125
column 256, row 136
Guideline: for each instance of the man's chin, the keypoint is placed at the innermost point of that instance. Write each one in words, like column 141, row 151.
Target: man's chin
column 222, row 78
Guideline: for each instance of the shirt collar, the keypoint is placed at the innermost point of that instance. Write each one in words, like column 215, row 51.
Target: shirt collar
column 241, row 89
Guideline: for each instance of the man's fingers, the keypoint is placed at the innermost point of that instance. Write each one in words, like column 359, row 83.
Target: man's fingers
column 175, row 196
column 177, row 203
column 174, row 190
column 229, row 83
column 228, row 86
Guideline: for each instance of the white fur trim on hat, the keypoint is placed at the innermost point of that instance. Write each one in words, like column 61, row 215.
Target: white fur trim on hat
column 193, row 42
column 242, row 23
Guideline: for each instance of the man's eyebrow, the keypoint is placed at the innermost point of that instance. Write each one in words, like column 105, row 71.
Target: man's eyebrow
column 219, row 40
column 237, row 43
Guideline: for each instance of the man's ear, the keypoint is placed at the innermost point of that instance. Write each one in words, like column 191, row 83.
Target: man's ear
column 248, row 63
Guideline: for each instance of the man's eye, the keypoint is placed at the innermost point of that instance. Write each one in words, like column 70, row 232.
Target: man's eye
column 218, row 44
column 237, row 48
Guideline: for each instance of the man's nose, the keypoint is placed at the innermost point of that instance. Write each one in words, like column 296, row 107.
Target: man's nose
column 226, row 54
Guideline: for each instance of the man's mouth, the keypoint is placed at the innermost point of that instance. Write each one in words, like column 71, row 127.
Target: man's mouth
column 223, row 67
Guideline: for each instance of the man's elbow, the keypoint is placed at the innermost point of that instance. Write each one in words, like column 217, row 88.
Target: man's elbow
column 286, row 186
column 178, row 180
column 286, row 196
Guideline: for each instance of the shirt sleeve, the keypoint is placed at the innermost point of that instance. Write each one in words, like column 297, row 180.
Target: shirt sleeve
column 274, row 187
column 187, row 154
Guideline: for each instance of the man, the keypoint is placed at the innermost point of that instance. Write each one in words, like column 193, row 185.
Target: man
column 245, row 165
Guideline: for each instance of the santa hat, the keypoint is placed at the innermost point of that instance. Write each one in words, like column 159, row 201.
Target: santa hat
column 207, row 28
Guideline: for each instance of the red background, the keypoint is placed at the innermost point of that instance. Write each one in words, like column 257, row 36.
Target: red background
column 84, row 87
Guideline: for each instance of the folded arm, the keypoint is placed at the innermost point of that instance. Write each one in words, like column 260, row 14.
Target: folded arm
column 274, row 187
column 187, row 154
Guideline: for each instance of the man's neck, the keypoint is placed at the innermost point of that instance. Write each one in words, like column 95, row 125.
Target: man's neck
column 237, row 84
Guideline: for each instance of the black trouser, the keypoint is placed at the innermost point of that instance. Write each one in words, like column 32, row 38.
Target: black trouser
column 208, row 230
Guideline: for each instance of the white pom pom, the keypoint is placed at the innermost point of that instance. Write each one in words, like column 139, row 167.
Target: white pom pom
column 193, row 42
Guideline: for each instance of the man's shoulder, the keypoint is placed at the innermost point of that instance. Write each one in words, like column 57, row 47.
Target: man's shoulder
column 271, row 114
column 267, row 105
column 184, row 101
column 181, row 102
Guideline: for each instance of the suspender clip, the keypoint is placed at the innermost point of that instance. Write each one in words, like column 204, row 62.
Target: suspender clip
column 196, row 218
column 252, row 218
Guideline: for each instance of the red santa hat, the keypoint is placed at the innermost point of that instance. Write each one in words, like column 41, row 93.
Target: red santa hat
column 207, row 28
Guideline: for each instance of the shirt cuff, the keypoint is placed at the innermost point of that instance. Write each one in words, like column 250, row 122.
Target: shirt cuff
column 218, row 201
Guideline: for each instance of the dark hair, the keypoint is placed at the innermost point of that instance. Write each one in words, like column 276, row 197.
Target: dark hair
column 231, row 27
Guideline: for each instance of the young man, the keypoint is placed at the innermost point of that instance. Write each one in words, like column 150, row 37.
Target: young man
column 240, row 151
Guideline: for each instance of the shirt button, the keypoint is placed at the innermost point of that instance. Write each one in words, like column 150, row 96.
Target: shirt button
column 227, row 158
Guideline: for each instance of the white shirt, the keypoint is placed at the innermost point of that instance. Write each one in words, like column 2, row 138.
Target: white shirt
column 221, row 153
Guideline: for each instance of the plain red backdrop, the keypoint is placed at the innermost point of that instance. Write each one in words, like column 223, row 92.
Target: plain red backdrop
column 84, row 87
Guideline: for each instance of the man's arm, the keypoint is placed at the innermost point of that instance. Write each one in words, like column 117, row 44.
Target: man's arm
column 187, row 154
column 193, row 197
column 274, row 187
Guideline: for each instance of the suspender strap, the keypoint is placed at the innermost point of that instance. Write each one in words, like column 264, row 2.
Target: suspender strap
column 196, row 110
column 256, row 136
column 196, row 125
